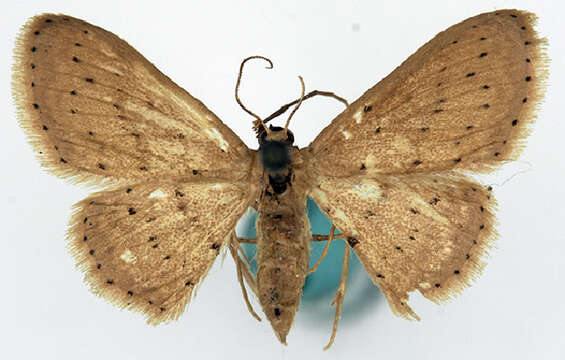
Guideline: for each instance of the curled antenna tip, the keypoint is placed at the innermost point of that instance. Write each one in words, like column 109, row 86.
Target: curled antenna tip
column 258, row 122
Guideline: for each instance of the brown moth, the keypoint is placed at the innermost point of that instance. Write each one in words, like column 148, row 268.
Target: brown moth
column 389, row 171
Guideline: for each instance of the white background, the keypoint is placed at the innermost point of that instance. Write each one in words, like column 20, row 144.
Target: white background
column 514, row 311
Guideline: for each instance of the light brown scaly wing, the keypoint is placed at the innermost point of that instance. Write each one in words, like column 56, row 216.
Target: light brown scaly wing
column 146, row 247
column 465, row 100
column 95, row 109
column 386, row 170
column 412, row 232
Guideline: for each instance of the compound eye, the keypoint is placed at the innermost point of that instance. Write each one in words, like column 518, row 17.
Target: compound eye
column 290, row 137
column 262, row 136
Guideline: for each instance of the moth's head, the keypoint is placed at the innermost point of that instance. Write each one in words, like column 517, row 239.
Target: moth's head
column 274, row 148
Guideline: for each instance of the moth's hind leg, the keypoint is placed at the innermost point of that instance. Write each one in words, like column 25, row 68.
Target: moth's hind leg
column 340, row 294
column 330, row 237
column 243, row 270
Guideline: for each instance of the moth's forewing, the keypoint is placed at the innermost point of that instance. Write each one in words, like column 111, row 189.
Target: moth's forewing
column 465, row 100
column 95, row 109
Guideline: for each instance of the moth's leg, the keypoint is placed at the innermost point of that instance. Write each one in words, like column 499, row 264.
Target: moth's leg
column 340, row 294
column 242, row 270
column 325, row 252
column 313, row 93
column 241, row 252
column 318, row 237
column 315, row 237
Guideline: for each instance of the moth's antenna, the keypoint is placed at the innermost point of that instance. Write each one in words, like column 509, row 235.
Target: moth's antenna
column 297, row 105
column 311, row 94
column 258, row 122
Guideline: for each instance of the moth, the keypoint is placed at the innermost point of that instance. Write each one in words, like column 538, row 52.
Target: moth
column 392, row 171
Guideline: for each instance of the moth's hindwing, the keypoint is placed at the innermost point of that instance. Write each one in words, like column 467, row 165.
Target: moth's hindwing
column 145, row 247
column 413, row 232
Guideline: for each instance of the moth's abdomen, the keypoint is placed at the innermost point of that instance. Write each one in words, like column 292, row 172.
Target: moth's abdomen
column 283, row 251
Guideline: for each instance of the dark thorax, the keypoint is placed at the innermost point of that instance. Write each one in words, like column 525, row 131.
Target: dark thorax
column 275, row 154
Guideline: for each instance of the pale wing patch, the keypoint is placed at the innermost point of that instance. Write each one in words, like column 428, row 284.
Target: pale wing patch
column 128, row 256
column 357, row 116
column 148, row 253
column 157, row 194
column 214, row 134
column 412, row 232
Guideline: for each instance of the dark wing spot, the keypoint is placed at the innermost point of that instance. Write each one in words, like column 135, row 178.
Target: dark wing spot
column 352, row 241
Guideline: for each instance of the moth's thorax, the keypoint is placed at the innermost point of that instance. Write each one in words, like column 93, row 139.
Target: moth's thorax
column 283, row 242
column 275, row 148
